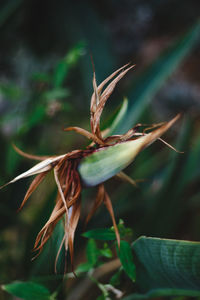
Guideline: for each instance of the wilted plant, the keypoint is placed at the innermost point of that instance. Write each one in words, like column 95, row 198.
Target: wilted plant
column 89, row 167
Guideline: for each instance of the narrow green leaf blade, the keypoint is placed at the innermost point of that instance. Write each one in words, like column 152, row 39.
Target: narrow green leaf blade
column 126, row 258
column 27, row 290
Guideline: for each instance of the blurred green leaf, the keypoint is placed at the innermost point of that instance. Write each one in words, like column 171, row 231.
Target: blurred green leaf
column 27, row 290
column 146, row 85
column 8, row 9
column 101, row 234
column 10, row 91
column 57, row 93
column 165, row 292
column 92, row 252
column 41, row 77
column 66, row 64
column 115, row 279
column 12, row 160
column 106, row 251
column 126, row 258
column 84, row 267
column 163, row 263
column 115, row 120
column 35, row 117
column 101, row 297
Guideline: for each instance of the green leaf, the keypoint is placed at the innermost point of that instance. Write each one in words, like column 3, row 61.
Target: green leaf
column 165, row 292
column 163, row 263
column 8, row 9
column 106, row 252
column 116, row 278
column 10, row 91
column 101, row 234
column 41, row 77
column 115, row 121
column 92, row 252
column 65, row 64
column 36, row 116
column 126, row 258
column 12, row 160
column 57, row 93
column 106, row 162
column 101, row 297
column 146, row 85
column 84, row 267
column 27, row 290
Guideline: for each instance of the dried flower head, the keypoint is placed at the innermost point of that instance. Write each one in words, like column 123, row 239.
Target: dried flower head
column 80, row 168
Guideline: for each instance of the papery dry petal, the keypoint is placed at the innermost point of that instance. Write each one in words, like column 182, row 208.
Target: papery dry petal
column 74, row 218
column 109, row 207
column 100, row 87
column 170, row 146
column 104, row 97
column 37, row 180
column 47, row 229
column 86, row 133
column 41, row 167
column 126, row 178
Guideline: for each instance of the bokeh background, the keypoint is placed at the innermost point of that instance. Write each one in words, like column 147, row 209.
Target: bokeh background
column 46, row 84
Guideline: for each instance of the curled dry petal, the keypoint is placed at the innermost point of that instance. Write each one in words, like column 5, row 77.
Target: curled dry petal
column 30, row 156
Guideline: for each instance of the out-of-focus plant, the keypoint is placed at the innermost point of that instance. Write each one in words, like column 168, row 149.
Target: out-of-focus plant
column 156, row 267
column 47, row 97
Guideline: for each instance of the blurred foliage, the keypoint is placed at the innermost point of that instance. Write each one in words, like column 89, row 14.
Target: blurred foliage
column 45, row 85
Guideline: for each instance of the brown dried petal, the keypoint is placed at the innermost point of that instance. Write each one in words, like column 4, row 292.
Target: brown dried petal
column 104, row 97
column 109, row 207
column 37, row 180
column 86, row 133
column 30, row 156
column 74, row 218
